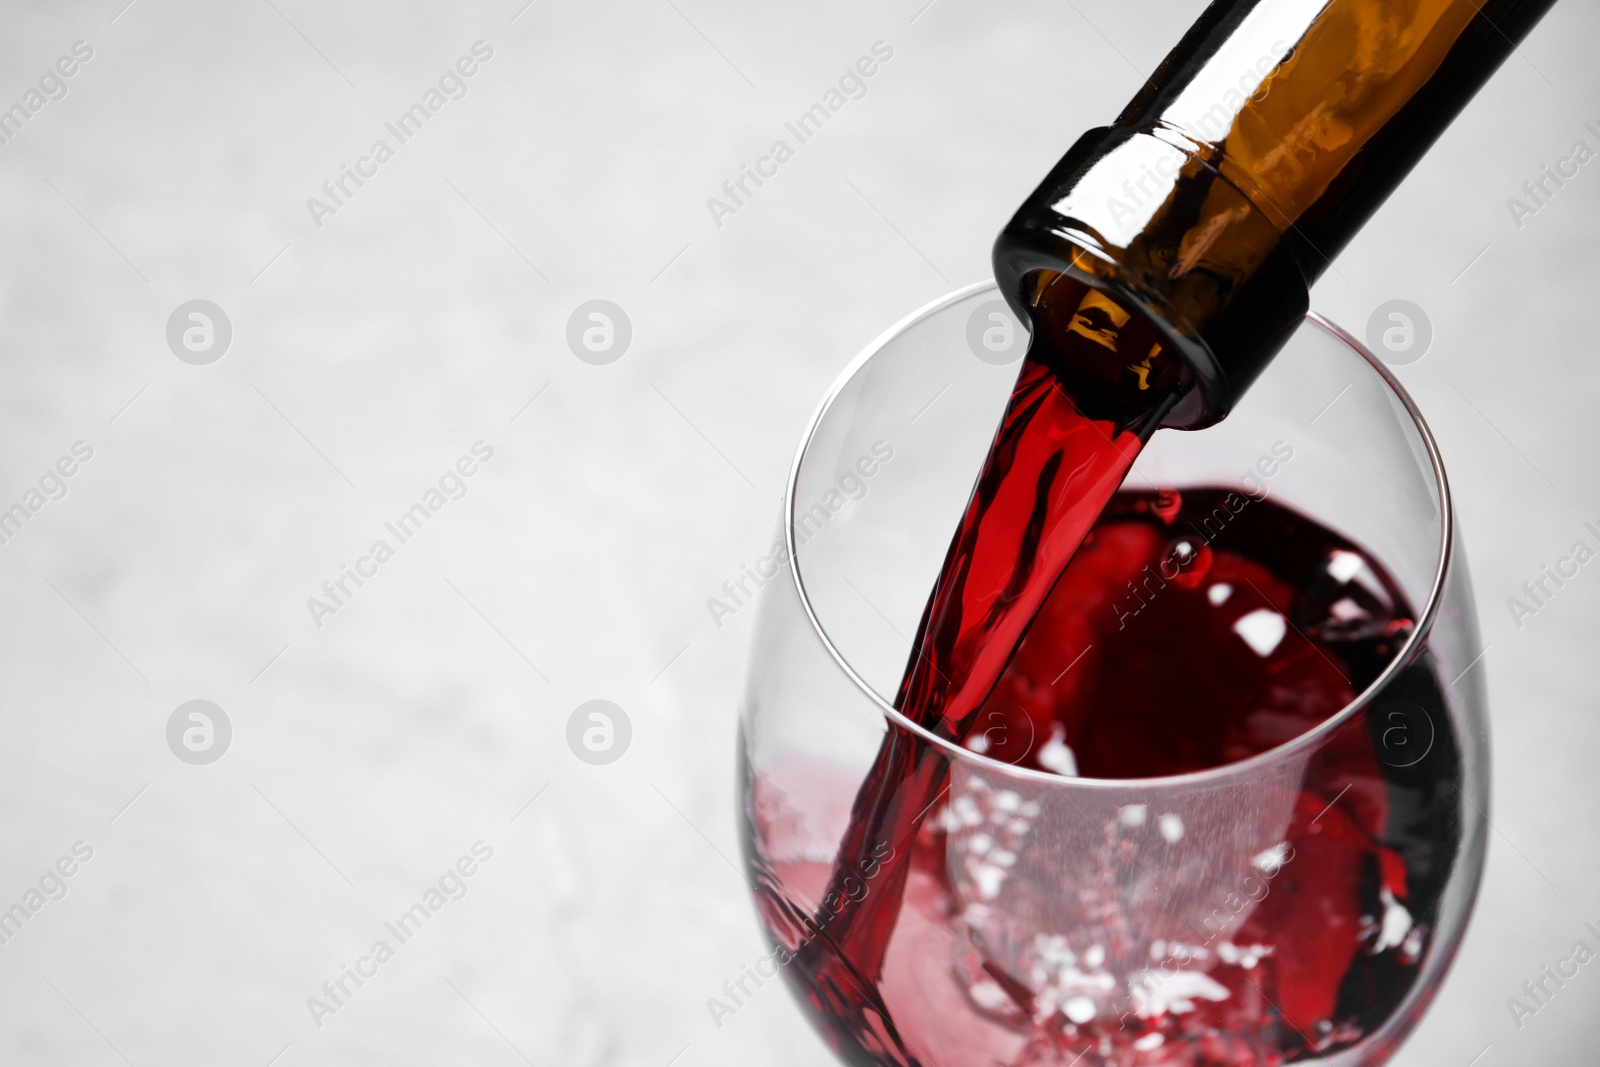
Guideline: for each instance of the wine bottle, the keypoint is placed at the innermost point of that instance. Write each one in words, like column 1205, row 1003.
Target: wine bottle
column 1251, row 157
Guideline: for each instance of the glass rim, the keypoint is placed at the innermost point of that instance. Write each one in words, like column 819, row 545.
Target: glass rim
column 1309, row 740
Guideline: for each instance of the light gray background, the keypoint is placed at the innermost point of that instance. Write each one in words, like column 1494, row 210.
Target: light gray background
column 368, row 354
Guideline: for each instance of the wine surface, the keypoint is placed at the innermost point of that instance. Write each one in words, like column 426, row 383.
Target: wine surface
column 1190, row 630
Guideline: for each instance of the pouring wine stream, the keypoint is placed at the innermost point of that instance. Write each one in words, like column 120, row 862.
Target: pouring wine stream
column 1093, row 387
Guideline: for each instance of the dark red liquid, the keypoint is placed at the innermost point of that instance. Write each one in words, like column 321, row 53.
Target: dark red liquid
column 1184, row 670
column 1188, row 632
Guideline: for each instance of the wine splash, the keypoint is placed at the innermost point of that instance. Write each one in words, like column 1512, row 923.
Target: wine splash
column 1264, row 630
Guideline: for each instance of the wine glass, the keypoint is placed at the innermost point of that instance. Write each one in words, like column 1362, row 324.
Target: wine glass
column 1302, row 903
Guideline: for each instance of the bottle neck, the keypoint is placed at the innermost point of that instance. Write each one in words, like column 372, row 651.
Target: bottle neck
column 1255, row 152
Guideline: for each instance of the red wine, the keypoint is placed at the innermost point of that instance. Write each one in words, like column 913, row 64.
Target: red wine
column 1189, row 583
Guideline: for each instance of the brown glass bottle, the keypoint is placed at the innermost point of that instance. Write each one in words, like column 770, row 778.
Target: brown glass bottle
column 1258, row 148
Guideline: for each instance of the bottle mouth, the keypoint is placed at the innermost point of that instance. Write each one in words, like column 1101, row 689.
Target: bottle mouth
column 1300, row 746
column 1198, row 390
column 1114, row 363
column 1143, row 216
